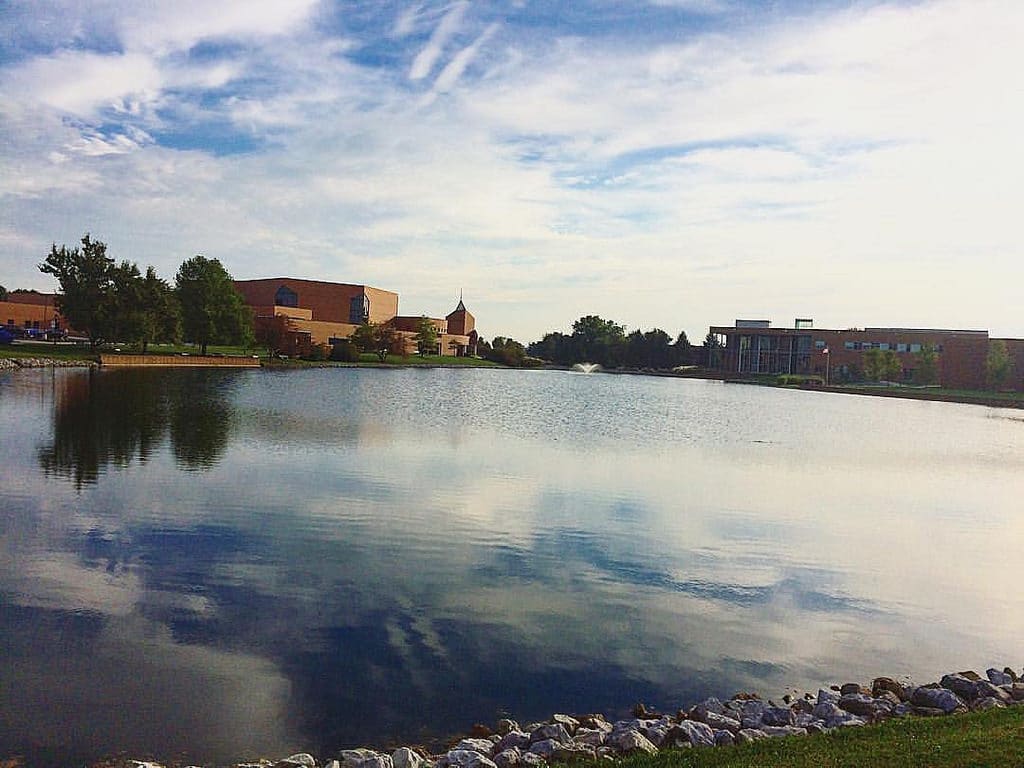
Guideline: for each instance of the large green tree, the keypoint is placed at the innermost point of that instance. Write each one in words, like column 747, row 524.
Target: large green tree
column 3, row 293
column 159, row 317
column 426, row 336
column 88, row 279
column 212, row 310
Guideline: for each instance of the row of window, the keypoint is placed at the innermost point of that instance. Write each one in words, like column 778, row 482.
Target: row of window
column 884, row 345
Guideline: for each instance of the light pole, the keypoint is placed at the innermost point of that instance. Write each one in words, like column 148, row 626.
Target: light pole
column 827, row 360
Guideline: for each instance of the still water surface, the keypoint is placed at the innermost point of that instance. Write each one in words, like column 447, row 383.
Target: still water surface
column 231, row 564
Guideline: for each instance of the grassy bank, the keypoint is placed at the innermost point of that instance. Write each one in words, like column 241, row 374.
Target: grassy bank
column 992, row 738
column 372, row 361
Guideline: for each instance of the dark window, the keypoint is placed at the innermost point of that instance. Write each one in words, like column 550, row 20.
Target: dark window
column 359, row 309
column 286, row 297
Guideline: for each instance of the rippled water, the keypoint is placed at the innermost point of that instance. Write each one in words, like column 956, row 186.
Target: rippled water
column 246, row 563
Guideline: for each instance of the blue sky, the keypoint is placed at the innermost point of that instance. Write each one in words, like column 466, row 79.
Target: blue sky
column 669, row 163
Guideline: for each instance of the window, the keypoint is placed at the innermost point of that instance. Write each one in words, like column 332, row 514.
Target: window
column 848, row 345
column 938, row 347
column 286, row 297
column 359, row 309
column 819, row 343
column 915, row 348
column 884, row 345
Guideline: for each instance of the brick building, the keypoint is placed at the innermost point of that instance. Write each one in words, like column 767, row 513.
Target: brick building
column 755, row 347
column 29, row 311
column 298, row 314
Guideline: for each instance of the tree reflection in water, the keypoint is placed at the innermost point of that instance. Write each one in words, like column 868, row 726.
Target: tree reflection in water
column 110, row 418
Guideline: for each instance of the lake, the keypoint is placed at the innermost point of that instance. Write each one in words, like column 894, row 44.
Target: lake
column 228, row 564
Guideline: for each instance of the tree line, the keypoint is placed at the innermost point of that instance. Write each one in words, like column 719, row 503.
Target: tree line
column 112, row 301
column 605, row 342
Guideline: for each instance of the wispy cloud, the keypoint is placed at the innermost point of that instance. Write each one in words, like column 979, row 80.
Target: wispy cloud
column 425, row 60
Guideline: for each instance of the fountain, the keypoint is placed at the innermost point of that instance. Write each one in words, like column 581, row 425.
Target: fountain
column 586, row 367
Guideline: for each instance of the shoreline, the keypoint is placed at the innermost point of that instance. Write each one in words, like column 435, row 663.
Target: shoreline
column 746, row 718
column 990, row 400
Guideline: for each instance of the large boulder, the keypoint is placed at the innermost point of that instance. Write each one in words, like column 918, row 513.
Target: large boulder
column 880, row 684
column 863, row 706
column 997, row 677
column 628, row 742
column 300, row 760
column 403, row 757
column 938, row 698
column 777, row 716
column 516, row 739
column 483, row 746
column 569, row 723
column 593, row 737
column 364, row 758
column 748, row 735
column 506, row 726
column 698, row 734
column 555, row 731
column 508, row 758
column 545, row 748
column 777, row 731
column 465, row 758
column 963, row 687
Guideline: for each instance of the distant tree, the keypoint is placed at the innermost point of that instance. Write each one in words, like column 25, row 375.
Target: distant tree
column 212, row 310
column 596, row 340
column 88, row 296
column 892, row 368
column 926, row 365
column 872, row 364
column 3, row 293
column 426, row 336
column 712, row 355
column 506, row 351
column 998, row 365
column 555, row 347
column 681, row 350
column 364, row 337
column 128, row 315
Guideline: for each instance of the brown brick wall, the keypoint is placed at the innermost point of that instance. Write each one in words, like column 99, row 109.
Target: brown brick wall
column 330, row 302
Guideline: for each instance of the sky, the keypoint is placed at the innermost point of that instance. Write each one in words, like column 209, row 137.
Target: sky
column 661, row 163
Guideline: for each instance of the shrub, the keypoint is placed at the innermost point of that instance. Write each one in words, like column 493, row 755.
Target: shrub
column 344, row 351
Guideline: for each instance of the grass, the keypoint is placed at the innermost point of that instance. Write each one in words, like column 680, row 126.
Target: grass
column 975, row 740
column 47, row 350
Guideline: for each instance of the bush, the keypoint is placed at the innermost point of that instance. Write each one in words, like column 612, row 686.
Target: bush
column 344, row 351
column 317, row 353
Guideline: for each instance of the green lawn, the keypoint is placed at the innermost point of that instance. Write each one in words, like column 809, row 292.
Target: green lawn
column 371, row 360
column 992, row 738
column 43, row 349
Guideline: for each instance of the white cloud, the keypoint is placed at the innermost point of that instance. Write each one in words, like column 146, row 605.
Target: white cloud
column 425, row 60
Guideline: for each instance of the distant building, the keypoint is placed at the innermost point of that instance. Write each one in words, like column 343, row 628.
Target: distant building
column 299, row 314
column 30, row 311
column 754, row 347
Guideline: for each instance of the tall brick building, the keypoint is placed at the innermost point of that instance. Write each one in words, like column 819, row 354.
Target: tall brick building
column 754, row 347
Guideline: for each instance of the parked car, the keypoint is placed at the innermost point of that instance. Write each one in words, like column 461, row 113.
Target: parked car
column 6, row 337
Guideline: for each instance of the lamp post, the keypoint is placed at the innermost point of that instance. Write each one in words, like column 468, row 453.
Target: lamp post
column 827, row 360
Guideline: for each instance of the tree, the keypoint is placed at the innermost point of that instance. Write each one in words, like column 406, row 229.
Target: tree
column 506, row 351
column 873, row 364
column 212, row 311
column 926, row 365
column 892, row 368
column 87, row 298
column 998, row 365
column 681, row 350
column 3, row 293
column 596, row 340
column 712, row 351
column 426, row 336
column 379, row 339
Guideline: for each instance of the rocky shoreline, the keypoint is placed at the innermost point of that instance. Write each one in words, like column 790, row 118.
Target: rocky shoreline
column 744, row 718
column 16, row 363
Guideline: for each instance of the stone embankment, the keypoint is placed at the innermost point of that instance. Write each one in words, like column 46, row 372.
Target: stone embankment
column 14, row 363
column 744, row 718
